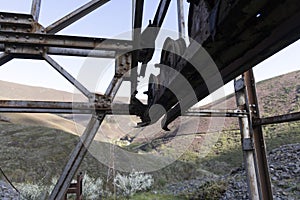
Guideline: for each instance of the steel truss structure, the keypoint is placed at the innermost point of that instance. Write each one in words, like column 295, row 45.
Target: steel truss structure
column 21, row 36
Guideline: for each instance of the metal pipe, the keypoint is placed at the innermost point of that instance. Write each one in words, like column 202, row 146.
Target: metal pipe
column 76, row 158
column 35, row 9
column 68, row 76
column 277, row 119
column 75, row 15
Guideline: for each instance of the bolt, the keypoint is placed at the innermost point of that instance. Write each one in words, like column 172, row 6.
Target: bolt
column 37, row 48
column 16, row 18
column 8, row 50
column 30, row 19
column 14, row 47
column 14, row 28
column 17, row 36
column 6, row 36
column 2, row 17
column 118, row 44
column 28, row 30
column 27, row 37
column 43, row 30
column 41, row 38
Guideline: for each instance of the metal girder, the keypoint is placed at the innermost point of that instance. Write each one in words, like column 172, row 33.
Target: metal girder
column 246, row 135
column 137, row 19
column 76, row 42
column 277, row 119
column 263, row 176
column 103, row 106
column 69, row 77
column 161, row 13
column 35, row 9
column 15, row 19
column 80, row 52
column 215, row 113
column 4, row 58
column 181, row 21
column 75, row 15
column 76, row 157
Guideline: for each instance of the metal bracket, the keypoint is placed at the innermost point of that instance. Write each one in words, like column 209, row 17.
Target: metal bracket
column 239, row 84
column 248, row 144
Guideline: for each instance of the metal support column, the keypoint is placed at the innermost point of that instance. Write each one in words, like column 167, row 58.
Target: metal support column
column 181, row 22
column 35, row 9
column 76, row 158
column 247, row 140
column 258, row 139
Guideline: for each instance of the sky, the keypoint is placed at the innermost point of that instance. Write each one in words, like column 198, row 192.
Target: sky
column 111, row 20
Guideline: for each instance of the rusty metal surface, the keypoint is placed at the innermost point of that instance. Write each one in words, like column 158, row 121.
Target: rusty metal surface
column 236, row 44
column 247, row 136
column 265, row 188
column 277, row 119
column 77, row 42
column 35, row 9
column 75, row 15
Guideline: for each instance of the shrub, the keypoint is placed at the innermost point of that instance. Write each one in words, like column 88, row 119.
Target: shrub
column 135, row 181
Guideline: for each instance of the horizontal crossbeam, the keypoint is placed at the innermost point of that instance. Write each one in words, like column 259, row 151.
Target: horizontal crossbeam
column 76, row 42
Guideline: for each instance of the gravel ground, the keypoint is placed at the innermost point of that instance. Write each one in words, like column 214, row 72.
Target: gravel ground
column 7, row 192
column 284, row 165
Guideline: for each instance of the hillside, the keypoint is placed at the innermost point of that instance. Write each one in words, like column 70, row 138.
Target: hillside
column 34, row 148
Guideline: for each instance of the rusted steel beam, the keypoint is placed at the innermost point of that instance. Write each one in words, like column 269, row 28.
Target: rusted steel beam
column 76, row 42
column 68, row 76
column 63, row 107
column 277, row 119
column 265, row 188
column 35, row 9
column 4, row 58
column 215, row 113
column 247, row 140
column 75, row 15
column 76, row 158
column 80, row 52
column 15, row 19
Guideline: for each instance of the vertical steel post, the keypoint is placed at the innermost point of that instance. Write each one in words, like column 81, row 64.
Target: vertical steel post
column 35, row 9
column 76, row 158
column 181, row 23
column 247, row 140
column 258, row 139
column 137, row 18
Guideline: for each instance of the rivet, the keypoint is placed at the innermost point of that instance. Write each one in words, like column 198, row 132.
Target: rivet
column 30, row 19
column 17, row 36
column 27, row 37
column 16, row 18
column 2, row 17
